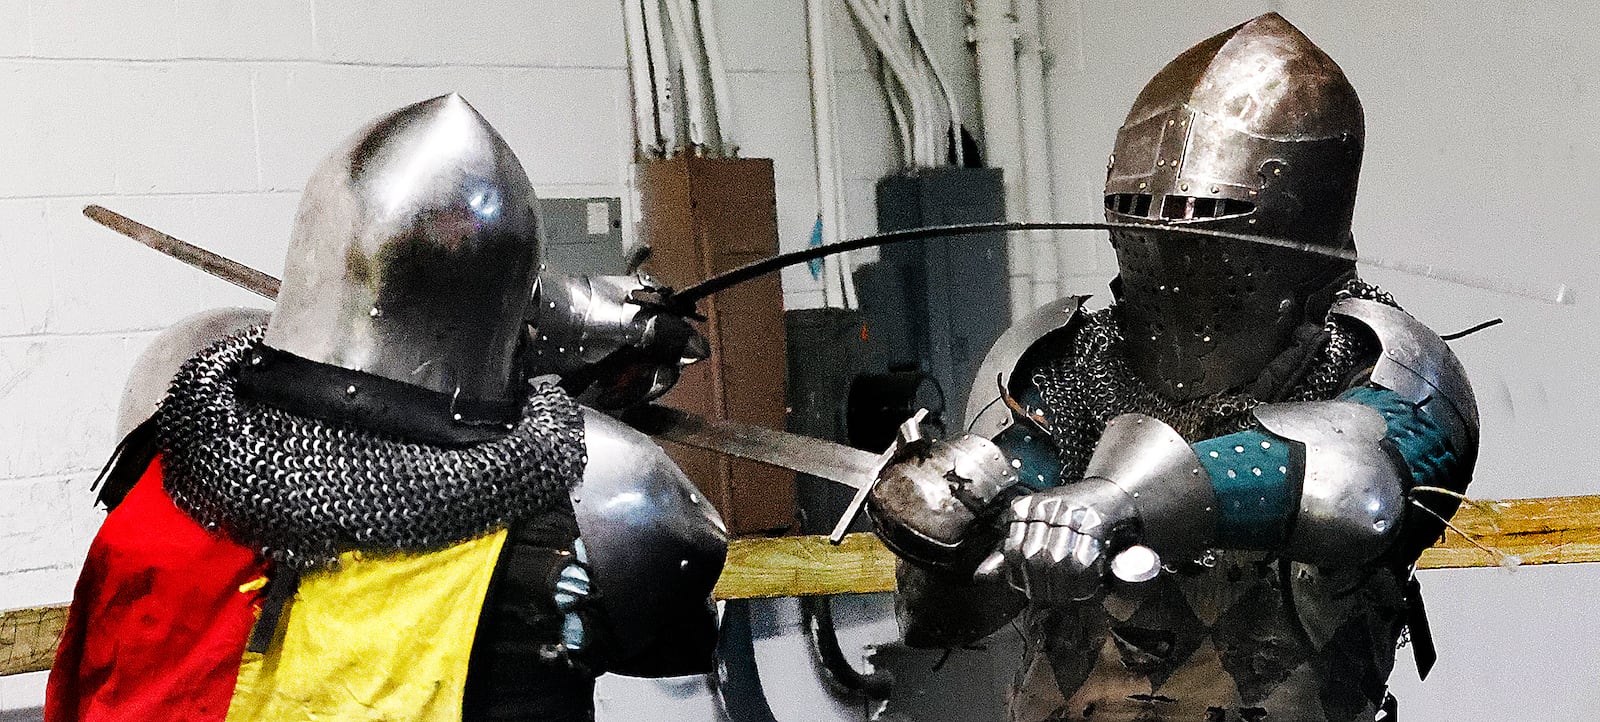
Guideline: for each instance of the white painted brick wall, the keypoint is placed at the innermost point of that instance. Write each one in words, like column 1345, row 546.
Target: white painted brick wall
column 204, row 117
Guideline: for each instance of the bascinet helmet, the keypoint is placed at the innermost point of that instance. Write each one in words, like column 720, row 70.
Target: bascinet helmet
column 1253, row 131
column 412, row 262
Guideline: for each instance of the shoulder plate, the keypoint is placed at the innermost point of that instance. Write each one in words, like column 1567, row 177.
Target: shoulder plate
column 152, row 373
column 656, row 546
column 986, row 414
column 1352, row 496
column 1416, row 363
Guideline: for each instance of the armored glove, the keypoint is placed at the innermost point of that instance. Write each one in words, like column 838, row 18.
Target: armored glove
column 1061, row 543
column 613, row 336
column 1144, row 496
column 933, row 502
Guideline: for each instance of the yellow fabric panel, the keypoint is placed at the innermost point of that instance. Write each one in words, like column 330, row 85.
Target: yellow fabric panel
column 378, row 638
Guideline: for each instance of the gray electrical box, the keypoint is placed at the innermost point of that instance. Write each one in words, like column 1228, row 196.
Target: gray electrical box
column 938, row 304
column 582, row 235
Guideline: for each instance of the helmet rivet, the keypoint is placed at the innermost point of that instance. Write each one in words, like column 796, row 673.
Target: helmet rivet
column 1183, row 186
column 1142, row 184
column 375, row 312
column 1277, row 171
column 350, row 390
column 1215, row 189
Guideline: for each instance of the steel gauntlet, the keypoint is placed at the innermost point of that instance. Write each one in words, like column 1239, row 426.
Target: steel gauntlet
column 610, row 335
column 933, row 503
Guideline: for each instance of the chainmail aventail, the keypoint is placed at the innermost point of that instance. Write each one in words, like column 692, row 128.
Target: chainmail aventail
column 302, row 490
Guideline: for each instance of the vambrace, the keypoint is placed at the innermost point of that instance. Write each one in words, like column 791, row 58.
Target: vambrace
column 603, row 331
column 1334, row 482
column 1341, row 481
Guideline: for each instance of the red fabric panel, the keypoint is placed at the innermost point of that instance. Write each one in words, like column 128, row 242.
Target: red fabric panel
column 158, row 623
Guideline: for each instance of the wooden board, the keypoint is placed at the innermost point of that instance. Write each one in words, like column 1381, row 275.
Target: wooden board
column 1558, row 530
column 28, row 638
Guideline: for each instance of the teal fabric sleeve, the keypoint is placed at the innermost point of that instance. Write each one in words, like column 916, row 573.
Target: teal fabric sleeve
column 1257, row 479
column 1031, row 452
column 1257, row 487
column 1422, row 441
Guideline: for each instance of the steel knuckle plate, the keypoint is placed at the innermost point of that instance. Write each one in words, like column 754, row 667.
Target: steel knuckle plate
column 1352, row 496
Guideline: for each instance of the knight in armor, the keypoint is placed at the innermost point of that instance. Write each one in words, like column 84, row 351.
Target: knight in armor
column 376, row 504
column 1206, row 501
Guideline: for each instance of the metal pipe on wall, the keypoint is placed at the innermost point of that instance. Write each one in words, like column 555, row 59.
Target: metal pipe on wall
column 661, row 74
column 994, row 38
column 721, row 95
column 647, row 138
column 1037, row 168
column 830, row 185
column 690, row 65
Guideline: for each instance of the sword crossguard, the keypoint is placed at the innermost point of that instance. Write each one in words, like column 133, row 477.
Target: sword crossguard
column 910, row 431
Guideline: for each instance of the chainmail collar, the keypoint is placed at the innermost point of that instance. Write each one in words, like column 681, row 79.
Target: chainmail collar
column 302, row 490
column 1092, row 382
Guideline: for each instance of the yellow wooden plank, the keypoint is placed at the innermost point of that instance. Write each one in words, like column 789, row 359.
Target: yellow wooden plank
column 28, row 638
column 800, row 566
column 1554, row 530
column 1557, row 530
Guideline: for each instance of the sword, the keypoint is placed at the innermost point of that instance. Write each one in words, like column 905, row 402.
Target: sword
column 222, row 267
column 834, row 462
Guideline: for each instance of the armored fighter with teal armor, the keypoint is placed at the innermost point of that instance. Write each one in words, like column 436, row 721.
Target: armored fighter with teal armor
column 1206, row 501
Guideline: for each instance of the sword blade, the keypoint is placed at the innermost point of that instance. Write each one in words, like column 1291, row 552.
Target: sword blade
column 224, row 268
column 823, row 459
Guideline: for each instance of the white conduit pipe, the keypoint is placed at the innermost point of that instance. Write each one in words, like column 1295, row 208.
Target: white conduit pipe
column 916, row 92
column 925, row 124
column 690, row 65
column 1036, row 168
column 914, row 13
column 897, row 110
column 661, row 73
column 721, row 96
column 994, row 41
column 646, row 124
column 825, row 145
